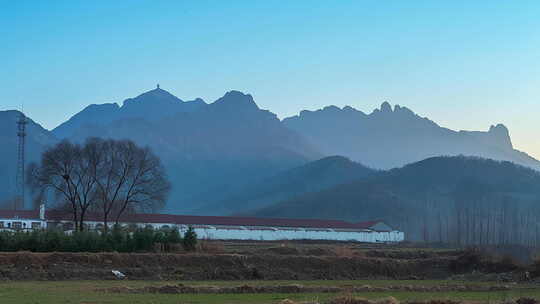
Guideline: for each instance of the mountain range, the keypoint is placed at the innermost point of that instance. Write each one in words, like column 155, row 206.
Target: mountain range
column 208, row 149
column 231, row 157
column 389, row 138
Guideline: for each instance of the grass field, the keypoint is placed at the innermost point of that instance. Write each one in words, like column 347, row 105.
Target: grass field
column 55, row 292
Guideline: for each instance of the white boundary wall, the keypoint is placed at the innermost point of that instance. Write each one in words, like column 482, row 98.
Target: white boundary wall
column 245, row 232
column 273, row 234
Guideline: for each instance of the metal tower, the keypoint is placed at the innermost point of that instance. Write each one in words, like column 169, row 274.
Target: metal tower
column 21, row 134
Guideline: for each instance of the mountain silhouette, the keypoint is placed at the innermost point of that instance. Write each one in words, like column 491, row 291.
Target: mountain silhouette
column 389, row 138
column 151, row 105
column 230, row 156
column 207, row 149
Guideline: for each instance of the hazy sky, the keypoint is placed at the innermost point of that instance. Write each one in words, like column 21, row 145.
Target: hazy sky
column 464, row 64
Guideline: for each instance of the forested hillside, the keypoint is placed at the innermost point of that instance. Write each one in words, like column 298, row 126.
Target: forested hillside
column 457, row 199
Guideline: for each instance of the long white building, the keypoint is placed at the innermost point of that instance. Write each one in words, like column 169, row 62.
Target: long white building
column 216, row 227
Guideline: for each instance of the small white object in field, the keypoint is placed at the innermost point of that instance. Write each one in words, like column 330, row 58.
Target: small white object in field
column 118, row 274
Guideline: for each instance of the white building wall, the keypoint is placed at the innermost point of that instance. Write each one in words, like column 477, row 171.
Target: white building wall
column 26, row 224
column 246, row 233
column 215, row 233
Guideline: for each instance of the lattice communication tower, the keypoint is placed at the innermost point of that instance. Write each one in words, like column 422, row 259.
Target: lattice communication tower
column 21, row 134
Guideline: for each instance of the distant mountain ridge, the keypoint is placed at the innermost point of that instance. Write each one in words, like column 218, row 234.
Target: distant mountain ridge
column 214, row 151
column 389, row 138
column 150, row 105
column 207, row 149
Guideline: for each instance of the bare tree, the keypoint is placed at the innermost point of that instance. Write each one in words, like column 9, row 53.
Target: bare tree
column 65, row 169
column 129, row 178
column 111, row 177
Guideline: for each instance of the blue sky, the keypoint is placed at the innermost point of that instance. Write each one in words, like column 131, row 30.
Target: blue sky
column 464, row 64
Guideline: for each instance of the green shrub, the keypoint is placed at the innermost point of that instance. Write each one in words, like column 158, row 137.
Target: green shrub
column 190, row 240
column 117, row 239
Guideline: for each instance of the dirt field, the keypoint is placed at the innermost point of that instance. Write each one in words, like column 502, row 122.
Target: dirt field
column 255, row 261
column 266, row 272
column 144, row 266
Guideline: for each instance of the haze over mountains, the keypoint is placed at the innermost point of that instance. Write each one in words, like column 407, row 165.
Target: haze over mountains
column 389, row 138
column 207, row 149
column 230, row 156
column 311, row 177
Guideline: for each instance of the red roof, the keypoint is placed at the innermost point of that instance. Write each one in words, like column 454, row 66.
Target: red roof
column 55, row 215
column 21, row 214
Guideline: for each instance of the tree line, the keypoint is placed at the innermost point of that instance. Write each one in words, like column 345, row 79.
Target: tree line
column 106, row 177
column 118, row 239
column 477, row 220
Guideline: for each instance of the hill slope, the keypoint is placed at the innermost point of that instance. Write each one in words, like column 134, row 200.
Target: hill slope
column 421, row 197
column 314, row 176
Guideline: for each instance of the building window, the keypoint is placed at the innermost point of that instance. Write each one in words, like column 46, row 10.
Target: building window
column 16, row 225
column 36, row 225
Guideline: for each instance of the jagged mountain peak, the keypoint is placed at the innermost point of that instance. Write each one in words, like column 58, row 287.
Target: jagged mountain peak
column 236, row 100
column 151, row 105
column 391, row 137
column 328, row 111
column 386, row 107
column 403, row 110
column 499, row 129
column 501, row 134
column 157, row 95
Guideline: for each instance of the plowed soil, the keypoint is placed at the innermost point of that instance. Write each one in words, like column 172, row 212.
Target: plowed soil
column 153, row 266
